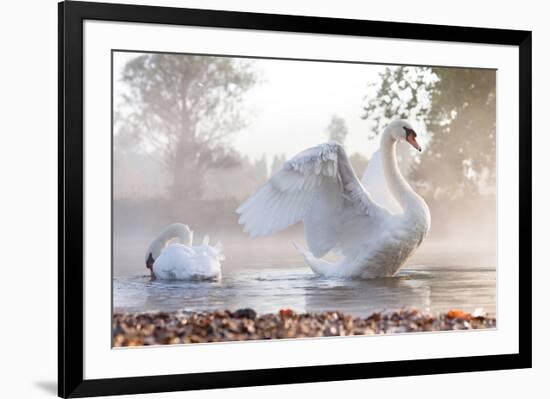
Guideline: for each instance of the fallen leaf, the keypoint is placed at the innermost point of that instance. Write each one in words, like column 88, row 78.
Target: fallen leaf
column 458, row 314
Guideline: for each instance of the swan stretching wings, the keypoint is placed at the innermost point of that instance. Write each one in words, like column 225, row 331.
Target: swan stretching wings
column 319, row 187
column 171, row 256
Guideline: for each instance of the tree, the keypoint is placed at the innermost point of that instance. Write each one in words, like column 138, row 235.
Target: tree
column 457, row 105
column 402, row 92
column 463, row 125
column 337, row 129
column 182, row 110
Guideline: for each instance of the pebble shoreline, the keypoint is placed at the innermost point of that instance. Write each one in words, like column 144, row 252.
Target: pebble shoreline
column 180, row 327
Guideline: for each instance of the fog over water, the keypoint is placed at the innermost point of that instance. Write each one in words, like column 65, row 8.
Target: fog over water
column 268, row 275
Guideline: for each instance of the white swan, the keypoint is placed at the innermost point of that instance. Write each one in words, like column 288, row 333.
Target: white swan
column 171, row 256
column 319, row 187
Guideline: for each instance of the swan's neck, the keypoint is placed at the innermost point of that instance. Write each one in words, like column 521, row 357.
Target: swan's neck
column 165, row 238
column 398, row 186
column 174, row 231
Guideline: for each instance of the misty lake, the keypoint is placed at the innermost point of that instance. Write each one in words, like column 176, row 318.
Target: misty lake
column 433, row 281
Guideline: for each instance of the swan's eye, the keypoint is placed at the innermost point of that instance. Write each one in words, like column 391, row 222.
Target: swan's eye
column 409, row 131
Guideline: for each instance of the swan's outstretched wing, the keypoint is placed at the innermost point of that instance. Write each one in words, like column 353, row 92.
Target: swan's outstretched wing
column 317, row 186
column 375, row 183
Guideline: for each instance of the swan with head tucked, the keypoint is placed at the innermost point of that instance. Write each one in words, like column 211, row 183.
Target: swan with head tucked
column 172, row 256
column 319, row 187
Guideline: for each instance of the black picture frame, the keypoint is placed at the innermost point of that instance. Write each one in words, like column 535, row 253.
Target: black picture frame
column 71, row 183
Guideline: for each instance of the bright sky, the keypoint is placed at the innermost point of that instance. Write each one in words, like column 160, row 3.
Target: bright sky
column 292, row 106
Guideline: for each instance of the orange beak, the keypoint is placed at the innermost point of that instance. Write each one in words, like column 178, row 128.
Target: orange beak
column 412, row 141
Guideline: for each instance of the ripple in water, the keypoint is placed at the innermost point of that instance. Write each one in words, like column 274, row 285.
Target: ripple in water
column 268, row 289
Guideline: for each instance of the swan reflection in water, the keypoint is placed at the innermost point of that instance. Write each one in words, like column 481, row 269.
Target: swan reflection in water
column 363, row 297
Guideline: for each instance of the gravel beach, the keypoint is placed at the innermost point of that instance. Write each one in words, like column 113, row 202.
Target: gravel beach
column 165, row 328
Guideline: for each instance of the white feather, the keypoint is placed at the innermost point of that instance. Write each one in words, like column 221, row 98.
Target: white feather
column 292, row 192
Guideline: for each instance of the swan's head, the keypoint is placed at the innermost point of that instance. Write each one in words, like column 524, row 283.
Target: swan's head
column 402, row 130
column 153, row 252
column 175, row 232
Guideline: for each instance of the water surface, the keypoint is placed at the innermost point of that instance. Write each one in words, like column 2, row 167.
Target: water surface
column 268, row 289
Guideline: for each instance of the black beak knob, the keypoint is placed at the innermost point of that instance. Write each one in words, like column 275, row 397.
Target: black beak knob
column 149, row 262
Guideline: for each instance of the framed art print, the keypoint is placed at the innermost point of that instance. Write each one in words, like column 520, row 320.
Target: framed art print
column 282, row 199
